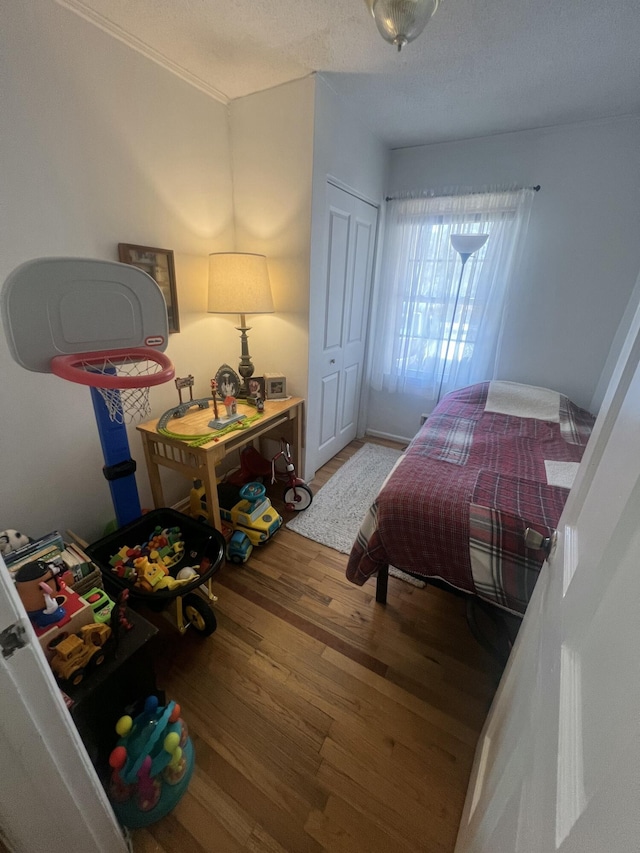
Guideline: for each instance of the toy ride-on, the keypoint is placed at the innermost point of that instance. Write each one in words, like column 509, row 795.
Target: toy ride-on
column 297, row 495
column 253, row 515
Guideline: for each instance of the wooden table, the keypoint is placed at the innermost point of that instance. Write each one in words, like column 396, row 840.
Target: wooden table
column 283, row 418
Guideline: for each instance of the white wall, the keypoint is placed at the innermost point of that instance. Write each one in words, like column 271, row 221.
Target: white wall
column 349, row 154
column 582, row 253
column 99, row 146
column 272, row 148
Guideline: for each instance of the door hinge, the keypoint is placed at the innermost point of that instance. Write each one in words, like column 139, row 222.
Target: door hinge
column 12, row 639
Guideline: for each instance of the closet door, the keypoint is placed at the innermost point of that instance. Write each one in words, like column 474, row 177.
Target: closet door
column 341, row 319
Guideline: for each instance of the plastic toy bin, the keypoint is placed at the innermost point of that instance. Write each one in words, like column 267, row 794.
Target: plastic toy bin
column 201, row 543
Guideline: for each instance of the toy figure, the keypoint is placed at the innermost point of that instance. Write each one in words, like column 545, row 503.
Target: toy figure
column 123, row 622
column 36, row 594
column 11, row 540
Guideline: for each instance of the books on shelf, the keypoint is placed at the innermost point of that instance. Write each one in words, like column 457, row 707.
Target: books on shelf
column 52, row 549
column 76, row 561
column 45, row 548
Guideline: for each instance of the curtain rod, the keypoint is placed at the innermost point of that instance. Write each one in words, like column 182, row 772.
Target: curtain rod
column 443, row 195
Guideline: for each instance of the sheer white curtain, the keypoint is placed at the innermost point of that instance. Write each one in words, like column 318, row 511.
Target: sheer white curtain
column 419, row 282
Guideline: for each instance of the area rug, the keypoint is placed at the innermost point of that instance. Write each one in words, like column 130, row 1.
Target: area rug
column 334, row 517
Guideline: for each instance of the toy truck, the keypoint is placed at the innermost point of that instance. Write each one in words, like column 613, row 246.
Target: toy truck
column 77, row 653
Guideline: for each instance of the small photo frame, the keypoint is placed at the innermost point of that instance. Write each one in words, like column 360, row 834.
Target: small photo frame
column 227, row 382
column 158, row 263
column 256, row 386
column 275, row 386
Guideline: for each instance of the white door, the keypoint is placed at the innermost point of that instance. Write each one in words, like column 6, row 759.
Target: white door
column 51, row 800
column 558, row 763
column 340, row 315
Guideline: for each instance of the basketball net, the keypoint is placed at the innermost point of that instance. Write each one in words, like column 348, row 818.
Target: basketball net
column 125, row 405
column 122, row 377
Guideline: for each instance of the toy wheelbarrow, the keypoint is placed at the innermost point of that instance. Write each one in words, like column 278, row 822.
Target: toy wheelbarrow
column 204, row 549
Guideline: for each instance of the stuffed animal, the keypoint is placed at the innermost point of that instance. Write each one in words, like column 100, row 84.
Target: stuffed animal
column 11, row 540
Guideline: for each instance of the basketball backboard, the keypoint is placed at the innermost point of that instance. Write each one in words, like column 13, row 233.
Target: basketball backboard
column 63, row 306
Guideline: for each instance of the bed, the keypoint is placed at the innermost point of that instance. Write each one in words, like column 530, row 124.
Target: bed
column 476, row 498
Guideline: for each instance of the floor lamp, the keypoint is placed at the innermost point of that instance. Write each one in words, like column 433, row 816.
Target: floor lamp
column 239, row 284
column 465, row 245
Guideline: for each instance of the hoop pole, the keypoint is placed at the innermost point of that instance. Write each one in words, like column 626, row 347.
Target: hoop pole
column 115, row 449
column 70, row 367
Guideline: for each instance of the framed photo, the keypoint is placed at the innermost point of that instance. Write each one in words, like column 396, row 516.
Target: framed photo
column 256, row 386
column 275, row 386
column 228, row 382
column 158, row 263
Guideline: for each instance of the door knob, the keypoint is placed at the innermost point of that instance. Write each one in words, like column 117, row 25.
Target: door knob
column 332, row 361
column 533, row 539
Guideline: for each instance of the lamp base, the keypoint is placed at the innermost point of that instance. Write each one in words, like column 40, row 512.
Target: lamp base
column 246, row 367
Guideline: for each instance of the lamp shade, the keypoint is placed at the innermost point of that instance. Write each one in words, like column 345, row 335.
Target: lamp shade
column 239, row 284
column 401, row 21
column 467, row 244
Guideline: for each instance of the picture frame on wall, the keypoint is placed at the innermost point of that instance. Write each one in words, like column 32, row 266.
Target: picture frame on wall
column 159, row 264
column 275, row 386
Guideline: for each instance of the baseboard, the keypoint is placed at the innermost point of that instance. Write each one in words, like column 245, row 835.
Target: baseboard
column 182, row 506
column 375, row 434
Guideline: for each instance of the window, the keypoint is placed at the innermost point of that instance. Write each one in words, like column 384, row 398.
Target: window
column 438, row 330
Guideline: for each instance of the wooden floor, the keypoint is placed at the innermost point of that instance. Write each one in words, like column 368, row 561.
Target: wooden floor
column 320, row 719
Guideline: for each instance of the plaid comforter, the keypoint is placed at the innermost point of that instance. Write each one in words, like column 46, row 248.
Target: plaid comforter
column 470, row 483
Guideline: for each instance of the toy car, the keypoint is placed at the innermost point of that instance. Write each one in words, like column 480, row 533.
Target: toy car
column 239, row 548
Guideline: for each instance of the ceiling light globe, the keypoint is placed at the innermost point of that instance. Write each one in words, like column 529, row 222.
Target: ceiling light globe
column 401, row 21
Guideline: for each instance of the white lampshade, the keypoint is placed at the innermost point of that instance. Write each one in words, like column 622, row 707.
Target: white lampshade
column 467, row 244
column 239, row 284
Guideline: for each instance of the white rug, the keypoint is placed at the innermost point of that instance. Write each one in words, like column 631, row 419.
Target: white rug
column 334, row 517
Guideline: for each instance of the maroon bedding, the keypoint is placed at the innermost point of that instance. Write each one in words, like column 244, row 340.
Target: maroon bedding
column 468, row 486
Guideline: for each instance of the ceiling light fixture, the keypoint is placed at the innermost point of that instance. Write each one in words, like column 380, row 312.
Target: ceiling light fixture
column 401, row 21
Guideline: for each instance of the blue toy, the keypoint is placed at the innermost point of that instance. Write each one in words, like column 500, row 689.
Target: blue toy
column 151, row 764
column 239, row 548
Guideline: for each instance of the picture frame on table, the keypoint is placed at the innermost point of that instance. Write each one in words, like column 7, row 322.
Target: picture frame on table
column 159, row 264
column 228, row 383
column 256, row 386
column 275, row 386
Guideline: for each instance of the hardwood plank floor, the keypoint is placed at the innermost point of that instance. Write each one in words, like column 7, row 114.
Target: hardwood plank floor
column 320, row 719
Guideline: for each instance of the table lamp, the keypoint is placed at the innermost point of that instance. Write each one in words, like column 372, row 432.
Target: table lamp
column 239, row 284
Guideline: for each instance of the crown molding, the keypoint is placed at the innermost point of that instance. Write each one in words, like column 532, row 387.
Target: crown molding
column 107, row 26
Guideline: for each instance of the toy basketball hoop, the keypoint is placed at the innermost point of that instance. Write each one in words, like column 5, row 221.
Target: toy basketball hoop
column 96, row 323
column 121, row 377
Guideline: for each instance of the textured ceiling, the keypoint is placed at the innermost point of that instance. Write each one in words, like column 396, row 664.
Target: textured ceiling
column 479, row 67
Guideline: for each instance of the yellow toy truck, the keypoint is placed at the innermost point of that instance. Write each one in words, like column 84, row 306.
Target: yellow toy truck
column 77, row 653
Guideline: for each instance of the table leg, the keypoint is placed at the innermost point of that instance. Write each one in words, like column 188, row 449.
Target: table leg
column 155, row 482
column 297, row 432
column 211, row 491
